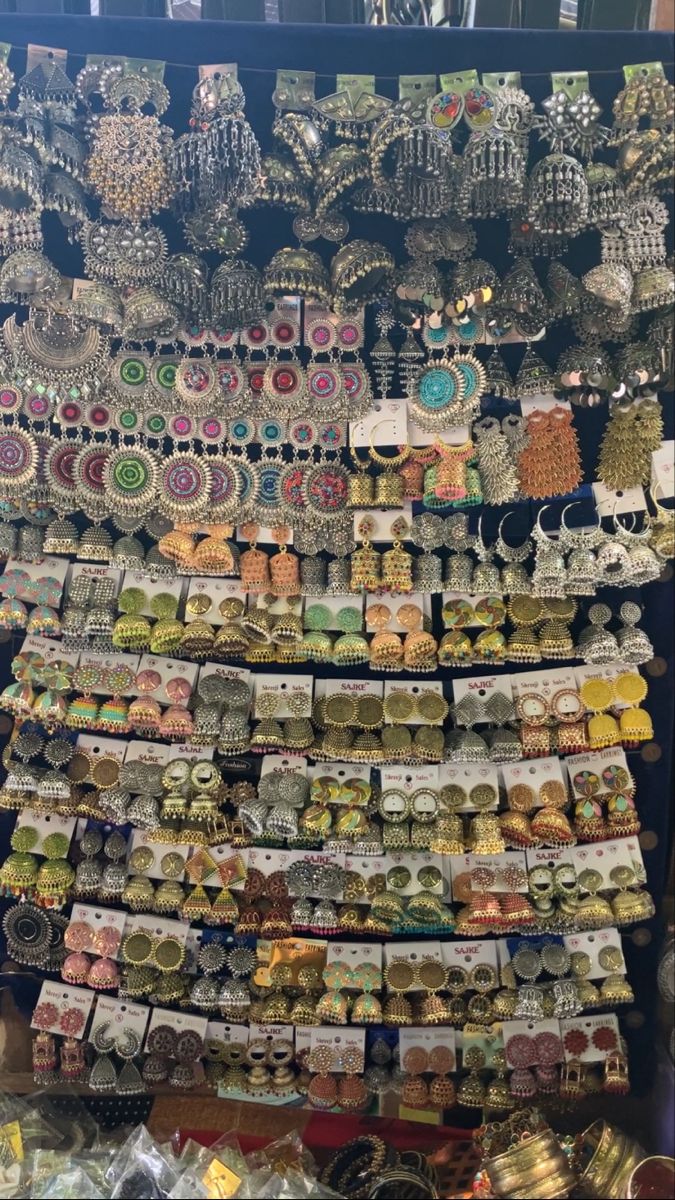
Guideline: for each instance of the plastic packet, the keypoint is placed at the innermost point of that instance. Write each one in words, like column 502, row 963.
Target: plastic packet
column 69, row 1128
column 10, row 1181
column 71, row 1185
column 288, row 1150
column 189, row 1186
column 227, row 1149
column 140, row 1171
column 36, row 1129
column 95, row 1163
column 211, row 1172
column 266, row 1183
column 39, row 1167
column 193, row 1153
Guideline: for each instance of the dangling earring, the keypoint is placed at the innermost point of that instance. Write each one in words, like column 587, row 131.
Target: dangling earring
column 127, row 165
column 486, row 573
column 383, row 355
column 471, row 1091
column 365, row 563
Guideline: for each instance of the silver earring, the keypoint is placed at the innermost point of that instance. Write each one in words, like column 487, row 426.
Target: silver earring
column 582, row 566
column 596, row 644
column 549, row 577
column 643, row 565
column 634, row 644
column 486, row 572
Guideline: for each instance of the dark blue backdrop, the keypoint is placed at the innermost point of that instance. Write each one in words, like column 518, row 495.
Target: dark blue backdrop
column 386, row 53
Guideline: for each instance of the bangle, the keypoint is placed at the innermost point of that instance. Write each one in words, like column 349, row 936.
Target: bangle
column 360, row 1161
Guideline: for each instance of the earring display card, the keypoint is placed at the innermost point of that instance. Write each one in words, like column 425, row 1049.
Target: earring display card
column 107, row 662
column 496, row 863
column 155, row 753
column 179, row 1021
column 293, row 696
column 543, row 403
column 344, row 613
column 285, row 763
column 93, row 572
column 590, row 1038
column 415, row 690
column 483, row 687
column 98, row 747
column 232, row 1035
column 385, row 425
column 45, row 824
column 123, row 1017
column 544, row 683
column 265, row 536
column 154, row 870
column 225, row 671
column 469, row 954
column 469, row 776
column 53, row 569
column 270, row 1033
column 602, row 857
column 663, row 471
column 608, row 671
column 49, row 649
column 379, row 522
column 169, row 670
column 348, row 687
column 474, row 603
column 354, row 954
column 153, row 587
column 412, row 953
column 339, row 1040
column 534, row 775
column 612, row 760
column 548, row 857
column 157, row 927
column 426, row 1039
column 609, row 503
column 97, row 918
column 455, row 435
column 213, row 591
column 62, row 1009
column 593, row 944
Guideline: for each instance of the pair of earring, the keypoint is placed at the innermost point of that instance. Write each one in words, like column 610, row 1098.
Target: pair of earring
column 19, row 584
column 627, row 690
column 401, row 707
column 42, row 620
column 48, row 1017
column 324, row 1091
column 548, row 827
column 103, row 1076
column 164, row 1044
column 440, row 1091
column 101, row 974
column 616, row 790
column 141, row 949
column 365, row 1008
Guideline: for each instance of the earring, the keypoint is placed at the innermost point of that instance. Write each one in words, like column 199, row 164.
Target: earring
column 129, row 1081
column 549, row 577
column 322, row 1090
column 352, row 1093
column 471, row 1091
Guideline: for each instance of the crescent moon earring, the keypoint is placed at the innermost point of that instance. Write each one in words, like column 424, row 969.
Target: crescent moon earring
column 511, row 554
column 549, row 577
column 486, row 578
column 580, row 539
column 642, row 565
column 662, row 526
